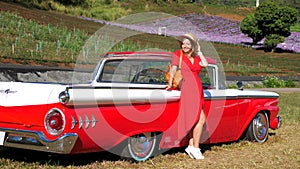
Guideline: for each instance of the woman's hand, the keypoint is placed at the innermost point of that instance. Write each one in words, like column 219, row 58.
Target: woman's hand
column 168, row 87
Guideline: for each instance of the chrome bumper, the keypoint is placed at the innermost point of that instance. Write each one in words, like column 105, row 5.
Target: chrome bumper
column 36, row 141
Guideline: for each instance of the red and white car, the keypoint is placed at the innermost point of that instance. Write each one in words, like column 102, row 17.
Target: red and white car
column 125, row 109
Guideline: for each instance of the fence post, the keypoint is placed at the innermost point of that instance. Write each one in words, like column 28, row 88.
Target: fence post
column 13, row 48
column 162, row 30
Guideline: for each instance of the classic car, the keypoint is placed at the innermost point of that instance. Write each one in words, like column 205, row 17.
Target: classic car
column 125, row 109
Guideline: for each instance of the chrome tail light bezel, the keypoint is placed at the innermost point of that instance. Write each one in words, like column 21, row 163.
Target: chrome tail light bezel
column 54, row 116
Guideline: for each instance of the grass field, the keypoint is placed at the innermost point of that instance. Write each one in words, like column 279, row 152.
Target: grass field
column 282, row 150
column 296, row 28
column 247, row 61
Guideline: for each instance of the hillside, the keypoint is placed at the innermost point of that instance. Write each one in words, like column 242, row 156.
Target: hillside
column 45, row 17
column 114, row 9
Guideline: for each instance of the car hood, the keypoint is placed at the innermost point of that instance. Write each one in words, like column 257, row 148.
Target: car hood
column 22, row 94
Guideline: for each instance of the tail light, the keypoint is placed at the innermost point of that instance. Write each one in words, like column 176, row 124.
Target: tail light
column 54, row 121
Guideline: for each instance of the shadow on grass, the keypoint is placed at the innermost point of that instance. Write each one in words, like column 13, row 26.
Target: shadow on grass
column 276, row 50
column 204, row 148
column 58, row 160
column 43, row 158
column 262, row 47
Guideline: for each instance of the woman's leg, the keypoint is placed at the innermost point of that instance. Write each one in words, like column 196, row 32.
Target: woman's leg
column 191, row 142
column 193, row 149
column 195, row 141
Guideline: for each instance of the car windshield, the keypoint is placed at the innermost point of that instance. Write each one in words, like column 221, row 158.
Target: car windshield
column 134, row 71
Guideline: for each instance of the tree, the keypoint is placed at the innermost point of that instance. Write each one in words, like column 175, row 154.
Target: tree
column 272, row 40
column 269, row 21
column 249, row 26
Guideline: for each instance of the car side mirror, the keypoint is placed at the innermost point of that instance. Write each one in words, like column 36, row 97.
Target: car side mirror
column 240, row 85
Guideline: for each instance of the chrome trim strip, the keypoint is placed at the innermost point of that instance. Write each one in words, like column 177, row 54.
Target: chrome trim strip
column 34, row 140
column 80, row 122
column 74, row 122
column 87, row 121
column 95, row 97
column 94, row 121
column 237, row 97
column 134, row 86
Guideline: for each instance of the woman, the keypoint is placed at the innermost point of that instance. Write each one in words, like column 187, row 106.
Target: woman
column 192, row 97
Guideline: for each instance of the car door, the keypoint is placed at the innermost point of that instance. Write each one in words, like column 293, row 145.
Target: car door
column 222, row 109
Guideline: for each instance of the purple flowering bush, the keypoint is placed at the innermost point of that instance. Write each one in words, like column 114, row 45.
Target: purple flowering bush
column 208, row 28
column 218, row 29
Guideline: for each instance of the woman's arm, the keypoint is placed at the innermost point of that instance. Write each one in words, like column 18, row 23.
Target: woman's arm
column 172, row 73
column 203, row 62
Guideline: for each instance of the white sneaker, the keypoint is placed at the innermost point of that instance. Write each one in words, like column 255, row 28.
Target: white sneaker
column 196, row 153
column 188, row 151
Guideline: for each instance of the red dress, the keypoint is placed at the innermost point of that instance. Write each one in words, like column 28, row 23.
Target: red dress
column 192, row 96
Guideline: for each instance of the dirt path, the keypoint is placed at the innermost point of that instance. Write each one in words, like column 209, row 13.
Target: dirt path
column 233, row 17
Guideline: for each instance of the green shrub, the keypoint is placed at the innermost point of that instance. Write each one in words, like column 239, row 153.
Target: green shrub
column 290, row 83
column 272, row 40
column 275, row 82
